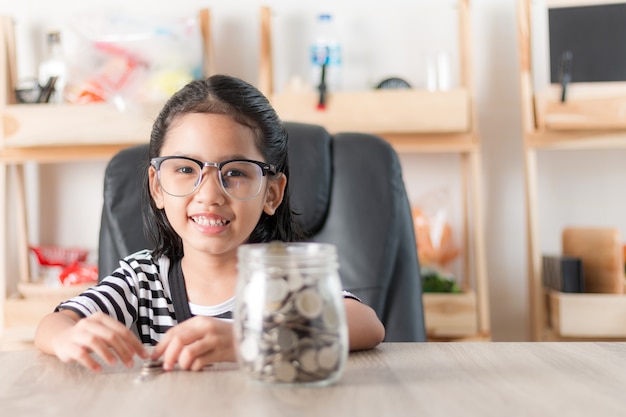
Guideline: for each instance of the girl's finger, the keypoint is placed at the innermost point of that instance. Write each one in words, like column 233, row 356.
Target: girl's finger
column 172, row 352
column 125, row 336
column 83, row 357
column 108, row 339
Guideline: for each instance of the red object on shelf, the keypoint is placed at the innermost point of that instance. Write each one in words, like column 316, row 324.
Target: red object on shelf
column 59, row 256
column 79, row 274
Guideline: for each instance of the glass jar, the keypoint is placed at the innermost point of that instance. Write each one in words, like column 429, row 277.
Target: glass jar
column 290, row 322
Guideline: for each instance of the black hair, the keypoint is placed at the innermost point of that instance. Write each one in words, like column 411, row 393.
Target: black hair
column 246, row 105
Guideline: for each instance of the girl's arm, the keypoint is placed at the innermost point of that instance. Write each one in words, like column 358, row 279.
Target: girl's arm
column 72, row 339
column 365, row 331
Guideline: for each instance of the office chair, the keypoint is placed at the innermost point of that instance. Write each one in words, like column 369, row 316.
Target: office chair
column 349, row 191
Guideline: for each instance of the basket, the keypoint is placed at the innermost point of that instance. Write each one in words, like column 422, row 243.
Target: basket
column 59, row 256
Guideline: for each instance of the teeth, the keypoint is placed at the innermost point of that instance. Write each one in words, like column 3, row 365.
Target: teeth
column 204, row 221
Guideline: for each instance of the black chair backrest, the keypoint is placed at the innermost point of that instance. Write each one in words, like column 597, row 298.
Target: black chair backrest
column 349, row 191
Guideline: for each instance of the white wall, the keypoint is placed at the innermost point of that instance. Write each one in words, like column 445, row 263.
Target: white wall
column 380, row 38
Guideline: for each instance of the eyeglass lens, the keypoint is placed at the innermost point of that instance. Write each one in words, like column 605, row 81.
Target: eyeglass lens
column 239, row 179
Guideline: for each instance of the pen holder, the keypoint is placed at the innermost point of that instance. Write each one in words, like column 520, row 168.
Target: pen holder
column 290, row 323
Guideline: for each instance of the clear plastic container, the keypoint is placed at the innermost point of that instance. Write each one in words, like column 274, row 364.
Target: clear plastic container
column 290, row 324
column 326, row 50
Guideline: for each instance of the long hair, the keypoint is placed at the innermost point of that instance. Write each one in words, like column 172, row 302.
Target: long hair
column 246, row 105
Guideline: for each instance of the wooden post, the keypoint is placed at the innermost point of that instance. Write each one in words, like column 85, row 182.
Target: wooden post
column 482, row 283
column 471, row 163
column 204, row 16
column 535, row 290
column 8, row 63
column 8, row 79
column 465, row 56
column 266, row 70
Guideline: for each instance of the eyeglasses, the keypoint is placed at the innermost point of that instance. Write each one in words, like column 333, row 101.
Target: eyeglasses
column 241, row 179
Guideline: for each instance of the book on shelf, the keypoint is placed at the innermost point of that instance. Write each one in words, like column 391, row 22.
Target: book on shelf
column 563, row 273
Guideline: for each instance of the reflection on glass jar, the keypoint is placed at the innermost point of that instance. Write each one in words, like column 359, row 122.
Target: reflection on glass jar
column 290, row 323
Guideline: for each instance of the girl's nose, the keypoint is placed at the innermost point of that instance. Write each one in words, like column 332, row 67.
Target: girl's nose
column 210, row 190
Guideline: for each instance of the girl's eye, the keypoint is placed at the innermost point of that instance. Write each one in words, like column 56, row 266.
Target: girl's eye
column 234, row 173
column 186, row 170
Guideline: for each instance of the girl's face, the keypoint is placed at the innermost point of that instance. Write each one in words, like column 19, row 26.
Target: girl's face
column 209, row 221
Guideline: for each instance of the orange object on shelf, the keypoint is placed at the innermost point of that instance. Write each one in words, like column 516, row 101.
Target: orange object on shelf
column 435, row 246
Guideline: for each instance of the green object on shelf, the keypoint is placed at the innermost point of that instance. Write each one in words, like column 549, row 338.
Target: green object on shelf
column 434, row 281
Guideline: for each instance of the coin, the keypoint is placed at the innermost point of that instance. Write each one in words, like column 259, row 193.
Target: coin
column 276, row 292
column 285, row 371
column 309, row 303
column 308, row 360
column 152, row 367
column 327, row 357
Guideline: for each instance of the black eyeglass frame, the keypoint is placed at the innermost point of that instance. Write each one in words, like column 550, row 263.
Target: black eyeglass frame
column 266, row 169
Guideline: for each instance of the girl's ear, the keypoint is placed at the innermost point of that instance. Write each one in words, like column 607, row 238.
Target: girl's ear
column 275, row 193
column 155, row 189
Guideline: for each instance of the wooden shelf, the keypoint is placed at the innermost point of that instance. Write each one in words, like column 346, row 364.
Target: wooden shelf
column 413, row 121
column 51, row 133
column 47, row 142
column 587, row 315
column 381, row 111
column 450, row 315
column 433, row 143
column 588, row 107
column 551, row 140
column 91, row 131
column 593, row 117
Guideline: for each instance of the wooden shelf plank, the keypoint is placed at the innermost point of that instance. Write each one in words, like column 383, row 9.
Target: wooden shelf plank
column 554, row 140
column 380, row 111
column 588, row 107
column 56, row 154
column 432, row 143
column 588, row 315
column 450, row 315
column 593, row 117
column 68, row 125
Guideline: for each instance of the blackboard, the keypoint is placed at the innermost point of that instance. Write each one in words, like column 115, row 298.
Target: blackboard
column 596, row 37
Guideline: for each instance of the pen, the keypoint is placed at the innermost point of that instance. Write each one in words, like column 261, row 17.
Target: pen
column 46, row 90
column 565, row 73
column 321, row 105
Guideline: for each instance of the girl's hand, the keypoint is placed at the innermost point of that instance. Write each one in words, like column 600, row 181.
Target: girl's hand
column 196, row 343
column 100, row 335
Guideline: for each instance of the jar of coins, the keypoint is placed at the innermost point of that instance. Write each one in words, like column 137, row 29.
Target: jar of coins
column 290, row 323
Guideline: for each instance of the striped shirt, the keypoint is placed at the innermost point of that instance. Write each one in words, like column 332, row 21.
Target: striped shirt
column 139, row 295
column 136, row 294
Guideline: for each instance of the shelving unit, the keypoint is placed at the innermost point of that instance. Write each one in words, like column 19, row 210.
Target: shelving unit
column 99, row 131
column 591, row 118
column 53, row 134
column 414, row 121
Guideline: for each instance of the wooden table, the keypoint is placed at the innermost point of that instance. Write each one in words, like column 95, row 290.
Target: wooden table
column 396, row 379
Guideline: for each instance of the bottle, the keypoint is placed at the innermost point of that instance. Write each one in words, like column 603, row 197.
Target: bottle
column 53, row 65
column 326, row 55
column 289, row 319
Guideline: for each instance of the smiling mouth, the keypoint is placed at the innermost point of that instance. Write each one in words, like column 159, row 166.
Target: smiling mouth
column 205, row 221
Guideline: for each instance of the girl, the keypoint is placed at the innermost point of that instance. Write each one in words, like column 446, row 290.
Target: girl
column 176, row 296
